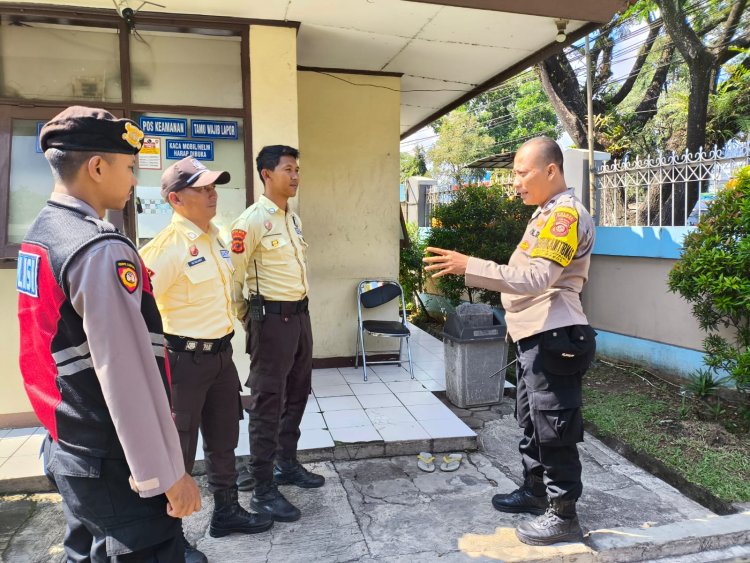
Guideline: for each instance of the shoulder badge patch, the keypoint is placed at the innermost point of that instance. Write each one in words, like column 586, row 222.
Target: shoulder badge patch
column 27, row 274
column 238, row 241
column 127, row 274
column 558, row 240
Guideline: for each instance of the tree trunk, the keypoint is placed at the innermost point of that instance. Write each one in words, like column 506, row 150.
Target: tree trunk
column 565, row 97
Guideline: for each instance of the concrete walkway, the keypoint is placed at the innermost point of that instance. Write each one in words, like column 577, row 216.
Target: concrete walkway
column 378, row 506
column 389, row 414
column 385, row 509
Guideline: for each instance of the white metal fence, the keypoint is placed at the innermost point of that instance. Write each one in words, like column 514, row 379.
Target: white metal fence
column 665, row 190
column 439, row 195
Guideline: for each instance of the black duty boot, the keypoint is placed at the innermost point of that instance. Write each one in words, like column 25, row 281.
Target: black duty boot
column 292, row 472
column 268, row 500
column 245, row 479
column 531, row 497
column 230, row 518
column 192, row 555
column 558, row 524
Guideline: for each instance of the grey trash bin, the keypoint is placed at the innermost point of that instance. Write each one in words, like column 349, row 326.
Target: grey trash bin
column 475, row 349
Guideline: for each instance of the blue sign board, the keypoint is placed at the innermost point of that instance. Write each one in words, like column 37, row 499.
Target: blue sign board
column 202, row 150
column 164, row 126
column 203, row 129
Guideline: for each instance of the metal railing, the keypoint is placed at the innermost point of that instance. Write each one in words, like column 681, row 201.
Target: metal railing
column 440, row 195
column 665, row 190
column 434, row 196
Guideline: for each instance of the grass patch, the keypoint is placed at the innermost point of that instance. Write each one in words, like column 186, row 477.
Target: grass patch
column 645, row 414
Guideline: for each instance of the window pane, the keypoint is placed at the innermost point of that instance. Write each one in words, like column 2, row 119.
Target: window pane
column 186, row 69
column 30, row 179
column 228, row 154
column 55, row 62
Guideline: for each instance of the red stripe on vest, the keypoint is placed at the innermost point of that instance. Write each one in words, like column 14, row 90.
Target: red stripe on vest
column 38, row 318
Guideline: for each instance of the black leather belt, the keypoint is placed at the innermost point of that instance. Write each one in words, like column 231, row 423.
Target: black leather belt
column 202, row 345
column 286, row 307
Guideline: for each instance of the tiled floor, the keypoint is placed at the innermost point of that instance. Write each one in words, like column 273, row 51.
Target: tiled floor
column 343, row 408
column 388, row 407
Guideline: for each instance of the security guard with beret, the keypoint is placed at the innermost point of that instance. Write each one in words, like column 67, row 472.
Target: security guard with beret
column 92, row 353
column 541, row 287
column 191, row 273
column 268, row 253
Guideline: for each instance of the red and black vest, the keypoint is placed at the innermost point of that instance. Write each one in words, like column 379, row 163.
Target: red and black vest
column 56, row 364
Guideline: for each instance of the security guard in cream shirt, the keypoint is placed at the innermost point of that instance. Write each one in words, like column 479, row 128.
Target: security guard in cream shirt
column 541, row 286
column 191, row 273
column 268, row 253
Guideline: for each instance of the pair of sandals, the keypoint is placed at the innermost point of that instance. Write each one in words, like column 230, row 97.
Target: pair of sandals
column 451, row 462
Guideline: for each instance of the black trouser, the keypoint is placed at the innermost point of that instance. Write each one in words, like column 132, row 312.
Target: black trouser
column 106, row 520
column 206, row 395
column 548, row 409
column 280, row 376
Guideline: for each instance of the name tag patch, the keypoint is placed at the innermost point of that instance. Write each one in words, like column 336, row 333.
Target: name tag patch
column 196, row 261
column 27, row 274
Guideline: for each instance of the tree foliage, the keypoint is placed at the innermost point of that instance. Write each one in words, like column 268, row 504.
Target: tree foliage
column 685, row 52
column 461, row 141
column 481, row 222
column 695, row 49
column 713, row 274
column 515, row 112
column 410, row 267
column 413, row 164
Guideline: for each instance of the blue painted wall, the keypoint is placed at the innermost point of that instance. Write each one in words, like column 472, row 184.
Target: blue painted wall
column 644, row 242
column 665, row 357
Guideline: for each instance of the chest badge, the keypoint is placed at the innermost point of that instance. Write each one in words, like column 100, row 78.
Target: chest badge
column 267, row 224
column 193, row 250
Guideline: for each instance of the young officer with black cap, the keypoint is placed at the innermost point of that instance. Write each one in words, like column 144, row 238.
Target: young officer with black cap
column 268, row 253
column 191, row 273
column 93, row 354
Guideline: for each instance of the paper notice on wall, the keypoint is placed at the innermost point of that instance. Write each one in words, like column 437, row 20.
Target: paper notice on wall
column 150, row 156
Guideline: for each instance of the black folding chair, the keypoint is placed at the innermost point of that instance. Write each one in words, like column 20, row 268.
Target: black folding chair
column 372, row 294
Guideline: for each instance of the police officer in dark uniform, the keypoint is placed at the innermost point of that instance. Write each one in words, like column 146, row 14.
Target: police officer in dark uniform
column 541, row 287
column 93, row 354
column 268, row 253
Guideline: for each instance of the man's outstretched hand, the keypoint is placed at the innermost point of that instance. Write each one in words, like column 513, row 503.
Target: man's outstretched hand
column 445, row 262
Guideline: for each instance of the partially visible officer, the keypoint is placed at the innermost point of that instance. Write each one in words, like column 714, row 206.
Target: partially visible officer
column 541, row 288
column 92, row 353
column 191, row 273
column 268, row 253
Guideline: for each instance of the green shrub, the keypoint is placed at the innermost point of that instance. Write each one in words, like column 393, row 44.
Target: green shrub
column 410, row 268
column 481, row 222
column 713, row 274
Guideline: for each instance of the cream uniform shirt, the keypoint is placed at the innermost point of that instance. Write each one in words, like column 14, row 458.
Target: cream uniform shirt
column 542, row 282
column 191, row 273
column 270, row 239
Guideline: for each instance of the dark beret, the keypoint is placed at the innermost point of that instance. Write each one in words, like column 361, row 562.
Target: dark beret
column 80, row 128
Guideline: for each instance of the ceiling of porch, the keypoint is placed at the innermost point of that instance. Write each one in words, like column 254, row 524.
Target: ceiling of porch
column 446, row 50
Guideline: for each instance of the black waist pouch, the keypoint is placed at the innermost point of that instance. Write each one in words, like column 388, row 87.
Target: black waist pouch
column 567, row 350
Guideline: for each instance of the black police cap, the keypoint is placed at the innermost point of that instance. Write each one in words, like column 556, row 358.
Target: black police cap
column 80, row 128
